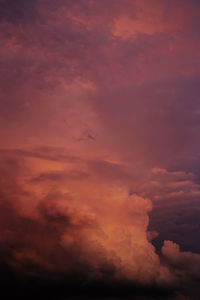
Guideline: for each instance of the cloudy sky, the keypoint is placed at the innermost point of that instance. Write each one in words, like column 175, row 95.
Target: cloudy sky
column 100, row 148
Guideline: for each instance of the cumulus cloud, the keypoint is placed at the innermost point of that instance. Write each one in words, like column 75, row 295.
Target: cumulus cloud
column 94, row 234
column 185, row 266
column 98, row 231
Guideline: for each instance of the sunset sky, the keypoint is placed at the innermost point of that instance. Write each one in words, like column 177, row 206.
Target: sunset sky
column 100, row 149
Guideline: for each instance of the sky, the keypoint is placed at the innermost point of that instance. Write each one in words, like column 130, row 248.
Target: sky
column 99, row 149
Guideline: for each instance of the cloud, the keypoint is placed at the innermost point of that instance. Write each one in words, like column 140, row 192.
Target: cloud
column 185, row 266
column 97, row 233
column 94, row 237
column 100, row 123
column 175, row 197
column 18, row 12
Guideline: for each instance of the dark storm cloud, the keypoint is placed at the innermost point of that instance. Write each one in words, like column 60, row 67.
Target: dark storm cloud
column 46, row 153
column 58, row 176
column 20, row 11
column 156, row 119
column 129, row 69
